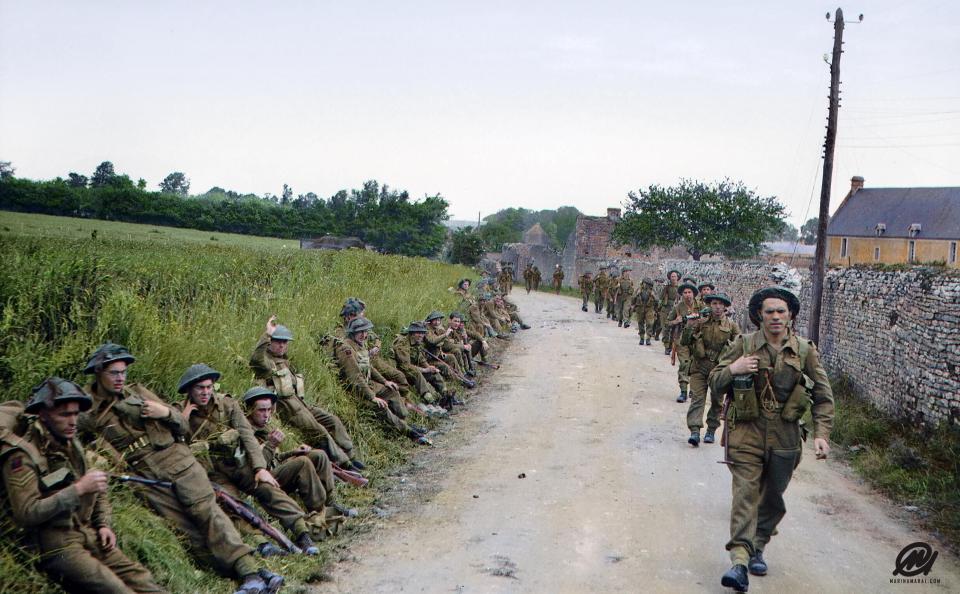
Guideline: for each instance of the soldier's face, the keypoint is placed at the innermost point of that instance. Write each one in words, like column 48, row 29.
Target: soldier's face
column 455, row 323
column 61, row 420
column 674, row 278
column 706, row 291
column 262, row 412
column 688, row 295
column 201, row 392
column 360, row 337
column 775, row 315
column 436, row 323
column 417, row 337
column 113, row 377
column 718, row 308
column 279, row 347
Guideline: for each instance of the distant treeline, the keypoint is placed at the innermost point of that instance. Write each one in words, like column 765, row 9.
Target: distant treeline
column 382, row 217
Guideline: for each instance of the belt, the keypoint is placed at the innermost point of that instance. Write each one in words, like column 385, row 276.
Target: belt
column 141, row 444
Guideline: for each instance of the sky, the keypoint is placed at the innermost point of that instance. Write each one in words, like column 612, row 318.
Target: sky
column 535, row 104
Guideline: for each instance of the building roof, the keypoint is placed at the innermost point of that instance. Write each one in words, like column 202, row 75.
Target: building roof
column 937, row 210
column 535, row 235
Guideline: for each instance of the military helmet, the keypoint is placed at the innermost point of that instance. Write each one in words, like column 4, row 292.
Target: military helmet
column 455, row 314
column 196, row 373
column 718, row 297
column 485, row 296
column 256, row 393
column 690, row 279
column 56, row 390
column 434, row 315
column 417, row 327
column 106, row 354
column 359, row 325
column 281, row 332
column 712, row 286
column 775, row 292
column 350, row 309
column 647, row 281
column 674, row 271
column 685, row 285
column 355, row 301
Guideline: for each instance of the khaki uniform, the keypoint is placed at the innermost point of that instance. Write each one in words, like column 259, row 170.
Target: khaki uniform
column 705, row 344
column 498, row 319
column 586, row 288
column 622, row 304
column 537, row 278
column 363, row 380
column 681, row 310
column 766, row 450
column 505, row 280
column 382, row 362
column 600, row 291
column 508, row 311
column 557, row 280
column 528, row 278
column 154, row 449
column 411, row 359
column 668, row 298
column 644, row 303
column 39, row 473
column 233, row 456
column 320, row 428
column 440, row 345
column 309, row 476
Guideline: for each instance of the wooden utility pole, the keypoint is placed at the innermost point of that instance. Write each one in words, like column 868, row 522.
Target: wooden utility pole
column 816, row 298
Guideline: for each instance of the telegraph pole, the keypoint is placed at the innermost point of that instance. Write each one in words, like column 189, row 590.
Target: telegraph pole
column 816, row 298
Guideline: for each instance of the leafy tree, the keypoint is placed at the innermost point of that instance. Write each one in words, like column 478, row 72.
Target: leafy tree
column 102, row 175
column 287, row 196
column 175, row 183
column 75, row 180
column 141, row 184
column 724, row 218
column 6, row 170
column 467, row 247
column 787, row 233
column 808, row 232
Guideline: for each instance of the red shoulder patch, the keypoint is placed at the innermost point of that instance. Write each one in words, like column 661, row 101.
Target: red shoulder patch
column 16, row 464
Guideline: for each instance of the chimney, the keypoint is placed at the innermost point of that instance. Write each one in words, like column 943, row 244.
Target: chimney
column 856, row 183
column 613, row 214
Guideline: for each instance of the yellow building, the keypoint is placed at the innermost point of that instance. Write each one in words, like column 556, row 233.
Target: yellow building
column 895, row 226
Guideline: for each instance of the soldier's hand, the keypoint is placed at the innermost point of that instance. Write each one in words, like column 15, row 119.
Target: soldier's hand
column 188, row 410
column 107, row 538
column 821, row 447
column 744, row 365
column 275, row 437
column 373, row 351
column 304, row 448
column 448, row 332
column 154, row 410
column 263, row 476
column 380, row 402
column 432, row 369
column 272, row 324
column 467, row 348
column 391, row 385
column 94, row 481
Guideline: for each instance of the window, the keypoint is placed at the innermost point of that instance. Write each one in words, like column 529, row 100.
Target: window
column 953, row 252
column 881, row 229
column 843, row 247
column 914, row 229
column 876, row 254
column 913, row 252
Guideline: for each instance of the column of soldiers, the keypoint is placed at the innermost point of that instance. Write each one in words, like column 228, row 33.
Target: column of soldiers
column 192, row 461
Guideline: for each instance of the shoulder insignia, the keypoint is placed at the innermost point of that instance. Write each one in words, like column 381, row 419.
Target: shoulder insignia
column 16, row 464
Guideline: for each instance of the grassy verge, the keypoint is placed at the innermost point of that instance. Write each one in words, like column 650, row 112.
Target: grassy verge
column 176, row 302
column 915, row 467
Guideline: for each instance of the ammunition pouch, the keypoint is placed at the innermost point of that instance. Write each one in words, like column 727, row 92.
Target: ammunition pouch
column 744, row 405
column 798, row 401
column 698, row 350
column 287, row 384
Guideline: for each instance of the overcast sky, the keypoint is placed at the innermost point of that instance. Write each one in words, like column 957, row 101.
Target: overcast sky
column 491, row 104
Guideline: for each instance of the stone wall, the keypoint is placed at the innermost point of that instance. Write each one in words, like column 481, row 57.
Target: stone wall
column 518, row 254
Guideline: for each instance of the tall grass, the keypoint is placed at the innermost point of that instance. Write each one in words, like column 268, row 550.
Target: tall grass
column 178, row 303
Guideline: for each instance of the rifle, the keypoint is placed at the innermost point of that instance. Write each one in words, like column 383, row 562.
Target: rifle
column 673, row 343
column 723, row 436
column 348, row 476
column 453, row 372
column 485, row 364
column 240, row 508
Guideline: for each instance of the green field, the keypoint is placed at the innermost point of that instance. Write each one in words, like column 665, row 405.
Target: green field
column 175, row 297
column 36, row 225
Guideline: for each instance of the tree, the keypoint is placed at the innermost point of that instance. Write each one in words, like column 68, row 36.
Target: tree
column 102, row 175
column 808, row 232
column 720, row 218
column 6, row 170
column 787, row 233
column 467, row 247
column 175, row 183
column 75, row 180
column 287, row 196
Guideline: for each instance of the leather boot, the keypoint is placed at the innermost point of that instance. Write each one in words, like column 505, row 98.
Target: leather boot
column 736, row 578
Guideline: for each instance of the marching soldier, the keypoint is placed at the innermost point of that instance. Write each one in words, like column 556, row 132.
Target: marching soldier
column 706, row 337
column 613, row 287
column 586, row 288
column 600, row 289
column 623, row 297
column 505, row 279
column 528, row 276
column 645, row 305
column 774, row 376
column 221, row 436
column 683, row 311
column 668, row 297
column 62, row 506
column 557, row 279
column 146, row 435
column 320, row 428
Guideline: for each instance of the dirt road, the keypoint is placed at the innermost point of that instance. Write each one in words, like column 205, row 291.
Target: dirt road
column 613, row 499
